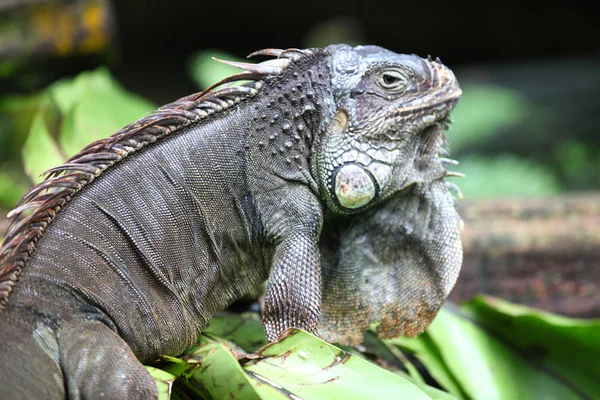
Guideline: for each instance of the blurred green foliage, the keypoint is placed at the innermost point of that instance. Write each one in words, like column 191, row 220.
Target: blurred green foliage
column 74, row 113
column 485, row 110
column 11, row 189
column 205, row 71
column 338, row 29
column 16, row 114
column 39, row 39
column 43, row 130
column 579, row 163
column 504, row 175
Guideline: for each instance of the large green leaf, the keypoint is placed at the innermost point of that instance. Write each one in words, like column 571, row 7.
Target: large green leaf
column 435, row 394
column 41, row 151
column 95, row 106
column 300, row 364
column 427, row 351
column 73, row 114
column 164, row 382
column 495, row 350
column 564, row 348
column 310, row 368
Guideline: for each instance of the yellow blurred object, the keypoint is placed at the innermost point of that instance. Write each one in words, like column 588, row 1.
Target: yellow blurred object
column 55, row 29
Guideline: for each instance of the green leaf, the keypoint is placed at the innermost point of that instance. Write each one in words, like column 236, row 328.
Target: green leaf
column 94, row 106
column 565, row 348
column 214, row 372
column 434, row 393
column 245, row 330
column 515, row 353
column 164, row 382
column 300, row 364
column 310, row 368
column 75, row 113
column 387, row 356
column 40, row 151
column 427, row 351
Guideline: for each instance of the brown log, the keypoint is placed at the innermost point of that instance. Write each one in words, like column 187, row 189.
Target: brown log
column 540, row 252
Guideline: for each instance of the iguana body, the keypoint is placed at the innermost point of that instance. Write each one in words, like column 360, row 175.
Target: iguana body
column 145, row 235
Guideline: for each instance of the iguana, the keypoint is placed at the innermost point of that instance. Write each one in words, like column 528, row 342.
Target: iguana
column 323, row 174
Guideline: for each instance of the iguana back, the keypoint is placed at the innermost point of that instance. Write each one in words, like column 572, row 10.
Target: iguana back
column 145, row 235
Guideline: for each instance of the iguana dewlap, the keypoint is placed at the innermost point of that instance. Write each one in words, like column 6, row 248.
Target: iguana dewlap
column 324, row 175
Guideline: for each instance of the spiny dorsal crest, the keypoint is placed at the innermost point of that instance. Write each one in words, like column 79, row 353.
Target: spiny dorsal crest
column 61, row 183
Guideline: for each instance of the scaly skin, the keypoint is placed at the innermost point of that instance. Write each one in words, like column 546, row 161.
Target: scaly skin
column 328, row 154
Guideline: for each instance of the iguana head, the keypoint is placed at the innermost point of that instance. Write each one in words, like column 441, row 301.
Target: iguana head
column 391, row 264
column 387, row 128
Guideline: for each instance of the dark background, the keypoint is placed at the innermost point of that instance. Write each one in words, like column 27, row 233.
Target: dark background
column 155, row 38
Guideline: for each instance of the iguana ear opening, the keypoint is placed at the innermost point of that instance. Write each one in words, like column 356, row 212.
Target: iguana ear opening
column 340, row 122
column 392, row 265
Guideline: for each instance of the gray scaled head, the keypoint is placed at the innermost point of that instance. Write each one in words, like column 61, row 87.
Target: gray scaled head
column 389, row 114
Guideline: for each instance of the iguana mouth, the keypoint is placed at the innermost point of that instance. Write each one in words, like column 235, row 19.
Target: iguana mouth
column 439, row 100
column 422, row 117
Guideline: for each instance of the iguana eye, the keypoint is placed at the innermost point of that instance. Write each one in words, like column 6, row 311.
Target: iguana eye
column 392, row 81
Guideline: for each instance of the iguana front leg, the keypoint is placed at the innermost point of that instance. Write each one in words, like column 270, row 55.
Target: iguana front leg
column 293, row 295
